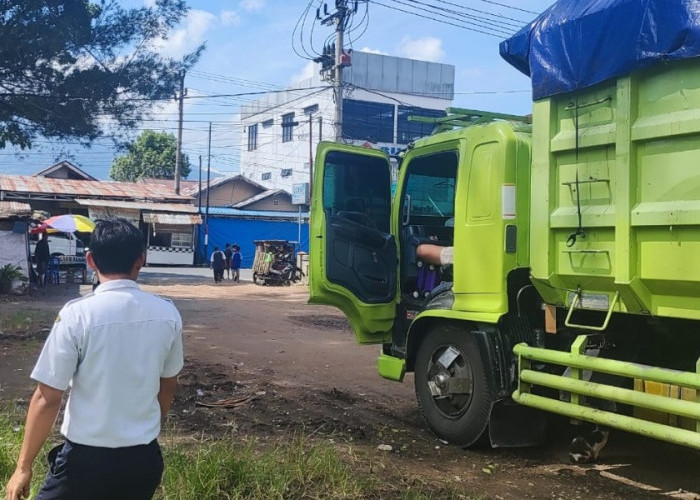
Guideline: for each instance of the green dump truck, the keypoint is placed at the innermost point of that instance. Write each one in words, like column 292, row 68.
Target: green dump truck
column 575, row 286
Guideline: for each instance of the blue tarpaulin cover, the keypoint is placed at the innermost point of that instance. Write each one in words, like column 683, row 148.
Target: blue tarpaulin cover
column 578, row 43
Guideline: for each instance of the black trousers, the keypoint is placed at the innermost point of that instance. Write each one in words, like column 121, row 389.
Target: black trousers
column 218, row 275
column 80, row 472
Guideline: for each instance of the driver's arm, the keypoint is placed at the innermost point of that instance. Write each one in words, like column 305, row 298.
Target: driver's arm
column 435, row 254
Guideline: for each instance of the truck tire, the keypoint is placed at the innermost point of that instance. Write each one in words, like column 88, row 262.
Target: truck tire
column 455, row 400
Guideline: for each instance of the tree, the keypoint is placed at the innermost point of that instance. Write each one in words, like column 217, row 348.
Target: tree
column 151, row 155
column 68, row 66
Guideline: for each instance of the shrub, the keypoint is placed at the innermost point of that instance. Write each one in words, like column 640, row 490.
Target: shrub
column 9, row 273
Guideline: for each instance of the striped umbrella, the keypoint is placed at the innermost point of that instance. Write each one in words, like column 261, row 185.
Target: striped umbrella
column 67, row 223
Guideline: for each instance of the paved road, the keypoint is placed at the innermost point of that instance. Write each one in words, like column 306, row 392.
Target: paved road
column 173, row 275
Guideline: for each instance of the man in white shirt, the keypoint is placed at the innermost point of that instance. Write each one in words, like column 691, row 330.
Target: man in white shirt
column 119, row 349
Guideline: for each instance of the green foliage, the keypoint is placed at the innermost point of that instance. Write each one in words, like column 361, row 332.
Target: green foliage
column 8, row 274
column 26, row 320
column 151, row 155
column 230, row 470
column 11, row 433
column 67, row 65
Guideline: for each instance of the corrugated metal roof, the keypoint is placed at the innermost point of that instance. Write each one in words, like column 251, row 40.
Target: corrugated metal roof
column 193, row 190
column 169, row 183
column 261, row 196
column 140, row 205
column 176, row 219
column 251, row 214
column 92, row 189
column 14, row 209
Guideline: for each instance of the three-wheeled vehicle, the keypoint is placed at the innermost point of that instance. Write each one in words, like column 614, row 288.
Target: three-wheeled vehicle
column 275, row 263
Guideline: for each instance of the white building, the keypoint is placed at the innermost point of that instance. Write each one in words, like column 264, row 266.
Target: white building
column 281, row 130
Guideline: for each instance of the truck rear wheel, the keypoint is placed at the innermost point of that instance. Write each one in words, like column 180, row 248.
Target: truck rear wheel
column 454, row 391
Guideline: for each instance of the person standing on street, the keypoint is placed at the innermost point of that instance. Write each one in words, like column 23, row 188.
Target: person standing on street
column 227, row 264
column 217, row 262
column 42, row 254
column 236, row 259
column 120, row 350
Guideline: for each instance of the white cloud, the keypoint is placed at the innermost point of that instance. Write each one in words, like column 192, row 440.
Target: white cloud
column 149, row 3
column 230, row 18
column 307, row 72
column 251, row 5
column 426, row 48
column 373, row 51
column 189, row 36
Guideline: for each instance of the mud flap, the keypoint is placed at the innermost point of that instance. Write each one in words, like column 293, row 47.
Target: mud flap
column 512, row 425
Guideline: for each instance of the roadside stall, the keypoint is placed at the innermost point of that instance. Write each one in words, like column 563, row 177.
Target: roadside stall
column 170, row 238
column 169, row 228
column 14, row 265
column 68, row 259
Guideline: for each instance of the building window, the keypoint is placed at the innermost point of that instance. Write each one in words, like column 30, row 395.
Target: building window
column 368, row 121
column 275, row 202
column 286, row 172
column 268, row 123
column 408, row 131
column 308, row 110
column 181, row 240
column 252, row 137
column 266, row 176
column 287, row 127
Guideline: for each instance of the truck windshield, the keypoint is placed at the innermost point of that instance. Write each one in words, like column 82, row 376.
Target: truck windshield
column 430, row 186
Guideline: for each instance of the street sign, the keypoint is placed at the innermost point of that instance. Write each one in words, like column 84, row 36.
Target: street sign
column 300, row 193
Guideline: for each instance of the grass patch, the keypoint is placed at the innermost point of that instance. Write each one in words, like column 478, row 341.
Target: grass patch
column 27, row 320
column 224, row 469
column 11, row 432
column 233, row 469
column 299, row 468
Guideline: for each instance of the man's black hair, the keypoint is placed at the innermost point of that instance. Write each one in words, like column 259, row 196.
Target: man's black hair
column 115, row 245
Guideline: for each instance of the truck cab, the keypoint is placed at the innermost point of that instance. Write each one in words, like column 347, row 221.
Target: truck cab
column 456, row 188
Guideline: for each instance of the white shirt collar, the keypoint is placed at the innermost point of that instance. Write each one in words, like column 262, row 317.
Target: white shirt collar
column 114, row 284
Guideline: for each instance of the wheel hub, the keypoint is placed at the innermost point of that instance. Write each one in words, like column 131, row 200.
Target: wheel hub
column 450, row 381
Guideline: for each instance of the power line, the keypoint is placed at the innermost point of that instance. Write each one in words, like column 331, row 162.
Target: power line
column 498, row 22
column 489, row 13
column 132, row 99
column 509, row 7
column 438, row 20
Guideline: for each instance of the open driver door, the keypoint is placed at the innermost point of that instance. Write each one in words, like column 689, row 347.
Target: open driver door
column 353, row 258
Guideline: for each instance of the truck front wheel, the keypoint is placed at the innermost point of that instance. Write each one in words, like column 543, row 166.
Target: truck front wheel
column 454, row 391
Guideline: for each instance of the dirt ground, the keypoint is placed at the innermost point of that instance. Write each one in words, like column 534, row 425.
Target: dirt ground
column 288, row 367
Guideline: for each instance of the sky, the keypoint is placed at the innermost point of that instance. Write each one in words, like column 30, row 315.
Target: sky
column 259, row 45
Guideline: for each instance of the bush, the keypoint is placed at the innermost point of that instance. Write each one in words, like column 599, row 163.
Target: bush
column 9, row 273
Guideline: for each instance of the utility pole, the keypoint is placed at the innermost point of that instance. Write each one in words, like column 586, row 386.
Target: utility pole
column 180, row 104
column 199, row 194
column 338, row 82
column 311, row 154
column 206, row 213
column 199, row 204
column 337, row 18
